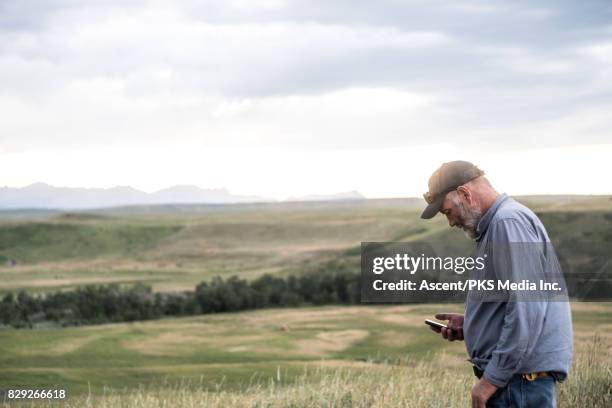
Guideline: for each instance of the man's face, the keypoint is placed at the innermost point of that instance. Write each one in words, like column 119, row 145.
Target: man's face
column 460, row 215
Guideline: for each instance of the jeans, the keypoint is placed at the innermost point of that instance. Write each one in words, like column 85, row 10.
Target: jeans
column 520, row 393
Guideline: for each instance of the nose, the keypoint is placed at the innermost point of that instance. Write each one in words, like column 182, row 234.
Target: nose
column 451, row 222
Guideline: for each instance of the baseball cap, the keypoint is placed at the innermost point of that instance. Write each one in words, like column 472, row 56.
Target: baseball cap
column 446, row 179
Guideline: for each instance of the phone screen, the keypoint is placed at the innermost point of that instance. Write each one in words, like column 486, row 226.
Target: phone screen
column 434, row 324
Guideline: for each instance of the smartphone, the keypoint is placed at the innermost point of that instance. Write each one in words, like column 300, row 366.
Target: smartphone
column 435, row 324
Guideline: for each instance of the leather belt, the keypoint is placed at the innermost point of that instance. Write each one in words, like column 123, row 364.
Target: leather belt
column 529, row 376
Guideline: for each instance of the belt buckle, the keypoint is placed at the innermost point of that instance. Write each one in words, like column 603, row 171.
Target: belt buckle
column 534, row 376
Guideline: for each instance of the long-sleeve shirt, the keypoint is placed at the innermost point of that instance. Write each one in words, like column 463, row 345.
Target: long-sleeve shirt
column 512, row 337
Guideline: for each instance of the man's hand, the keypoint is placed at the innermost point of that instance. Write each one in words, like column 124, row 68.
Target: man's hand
column 481, row 392
column 455, row 326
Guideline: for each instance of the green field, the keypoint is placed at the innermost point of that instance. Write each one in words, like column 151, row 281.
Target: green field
column 229, row 353
column 312, row 356
column 232, row 345
column 175, row 247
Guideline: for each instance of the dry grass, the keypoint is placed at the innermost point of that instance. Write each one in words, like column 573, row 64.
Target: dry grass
column 68, row 346
column 410, row 384
column 330, row 341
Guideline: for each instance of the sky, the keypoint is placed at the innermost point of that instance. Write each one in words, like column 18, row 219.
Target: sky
column 287, row 98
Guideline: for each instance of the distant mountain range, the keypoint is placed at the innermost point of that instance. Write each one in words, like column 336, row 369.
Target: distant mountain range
column 349, row 195
column 45, row 196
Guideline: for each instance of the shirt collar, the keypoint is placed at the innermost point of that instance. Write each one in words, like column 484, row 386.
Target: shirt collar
column 484, row 222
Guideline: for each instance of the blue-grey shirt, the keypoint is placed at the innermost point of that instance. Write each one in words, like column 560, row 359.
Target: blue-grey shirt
column 507, row 338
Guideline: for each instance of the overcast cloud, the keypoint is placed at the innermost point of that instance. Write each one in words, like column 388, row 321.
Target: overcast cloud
column 300, row 76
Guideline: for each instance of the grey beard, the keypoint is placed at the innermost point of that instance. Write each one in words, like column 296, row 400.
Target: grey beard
column 470, row 217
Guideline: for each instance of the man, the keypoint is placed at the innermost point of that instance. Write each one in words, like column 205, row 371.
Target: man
column 519, row 349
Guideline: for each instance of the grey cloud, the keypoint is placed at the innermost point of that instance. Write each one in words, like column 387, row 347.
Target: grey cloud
column 495, row 63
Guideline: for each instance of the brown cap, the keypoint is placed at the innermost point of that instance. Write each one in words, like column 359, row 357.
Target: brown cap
column 446, row 179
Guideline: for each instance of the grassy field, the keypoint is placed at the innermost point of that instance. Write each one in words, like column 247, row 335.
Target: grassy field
column 175, row 247
column 322, row 356
column 234, row 346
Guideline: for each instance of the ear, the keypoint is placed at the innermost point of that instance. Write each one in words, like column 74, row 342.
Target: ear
column 465, row 192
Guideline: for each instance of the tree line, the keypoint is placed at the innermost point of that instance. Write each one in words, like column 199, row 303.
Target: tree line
column 335, row 283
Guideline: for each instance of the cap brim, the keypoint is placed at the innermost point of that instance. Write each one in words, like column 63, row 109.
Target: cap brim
column 433, row 208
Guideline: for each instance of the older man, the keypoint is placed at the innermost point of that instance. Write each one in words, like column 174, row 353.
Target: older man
column 519, row 349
